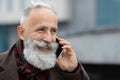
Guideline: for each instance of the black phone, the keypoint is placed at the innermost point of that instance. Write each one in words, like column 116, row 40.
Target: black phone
column 59, row 50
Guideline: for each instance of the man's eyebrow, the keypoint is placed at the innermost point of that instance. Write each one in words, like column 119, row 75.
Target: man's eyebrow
column 40, row 26
column 55, row 28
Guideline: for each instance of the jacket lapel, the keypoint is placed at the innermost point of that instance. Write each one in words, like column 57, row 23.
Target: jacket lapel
column 4, row 75
column 9, row 68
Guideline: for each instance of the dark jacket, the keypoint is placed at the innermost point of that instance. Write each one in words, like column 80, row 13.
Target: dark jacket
column 8, row 69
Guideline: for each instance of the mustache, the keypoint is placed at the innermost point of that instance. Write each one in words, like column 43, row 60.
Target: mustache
column 52, row 45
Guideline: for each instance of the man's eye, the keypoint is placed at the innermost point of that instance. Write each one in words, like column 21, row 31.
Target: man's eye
column 54, row 30
column 40, row 29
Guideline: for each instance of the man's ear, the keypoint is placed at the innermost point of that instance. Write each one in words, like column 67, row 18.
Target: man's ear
column 20, row 31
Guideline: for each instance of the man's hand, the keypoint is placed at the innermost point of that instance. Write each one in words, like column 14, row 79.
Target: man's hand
column 68, row 60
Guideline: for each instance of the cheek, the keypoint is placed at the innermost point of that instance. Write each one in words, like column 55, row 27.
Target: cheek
column 54, row 38
column 35, row 36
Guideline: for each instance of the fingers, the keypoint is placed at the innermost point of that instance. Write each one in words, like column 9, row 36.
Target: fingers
column 63, row 42
column 66, row 45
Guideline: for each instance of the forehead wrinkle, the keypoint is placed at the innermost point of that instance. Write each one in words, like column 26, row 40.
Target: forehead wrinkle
column 43, row 26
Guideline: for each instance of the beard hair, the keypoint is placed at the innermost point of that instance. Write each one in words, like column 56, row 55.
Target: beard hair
column 38, row 58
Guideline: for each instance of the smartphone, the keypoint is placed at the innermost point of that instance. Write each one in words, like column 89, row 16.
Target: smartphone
column 59, row 50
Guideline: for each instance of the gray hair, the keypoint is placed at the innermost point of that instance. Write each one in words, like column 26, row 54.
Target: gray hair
column 34, row 4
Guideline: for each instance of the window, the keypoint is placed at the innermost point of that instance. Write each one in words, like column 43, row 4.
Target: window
column 22, row 4
column 10, row 5
column 3, row 38
column 0, row 5
column 108, row 13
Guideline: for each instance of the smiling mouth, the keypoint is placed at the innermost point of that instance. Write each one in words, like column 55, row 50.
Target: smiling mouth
column 43, row 48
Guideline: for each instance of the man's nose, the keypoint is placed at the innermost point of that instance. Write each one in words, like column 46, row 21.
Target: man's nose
column 48, row 37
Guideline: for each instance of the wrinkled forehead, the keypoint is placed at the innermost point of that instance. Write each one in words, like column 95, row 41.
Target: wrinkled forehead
column 41, row 10
column 40, row 5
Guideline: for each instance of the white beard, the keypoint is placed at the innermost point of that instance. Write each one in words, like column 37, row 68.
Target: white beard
column 38, row 58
